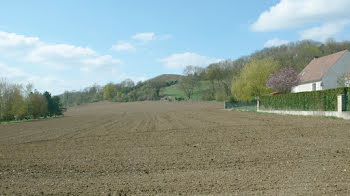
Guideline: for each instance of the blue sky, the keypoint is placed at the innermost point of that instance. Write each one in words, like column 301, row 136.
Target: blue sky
column 68, row 45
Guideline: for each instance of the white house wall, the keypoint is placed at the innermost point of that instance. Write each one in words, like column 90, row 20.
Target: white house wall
column 307, row 87
column 342, row 66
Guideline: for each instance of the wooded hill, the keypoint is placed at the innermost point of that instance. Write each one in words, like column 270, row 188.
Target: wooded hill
column 121, row 92
column 220, row 81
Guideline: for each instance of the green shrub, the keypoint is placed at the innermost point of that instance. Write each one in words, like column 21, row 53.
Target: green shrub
column 220, row 96
column 325, row 100
column 232, row 100
column 206, row 95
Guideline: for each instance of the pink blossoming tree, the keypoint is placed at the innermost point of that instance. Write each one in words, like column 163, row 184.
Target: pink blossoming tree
column 283, row 80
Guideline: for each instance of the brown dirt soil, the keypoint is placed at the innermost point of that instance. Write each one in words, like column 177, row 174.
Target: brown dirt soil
column 160, row 148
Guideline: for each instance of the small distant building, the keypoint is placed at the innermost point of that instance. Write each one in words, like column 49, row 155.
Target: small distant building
column 323, row 73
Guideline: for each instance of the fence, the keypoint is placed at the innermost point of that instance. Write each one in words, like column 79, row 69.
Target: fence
column 332, row 102
column 332, row 105
column 325, row 100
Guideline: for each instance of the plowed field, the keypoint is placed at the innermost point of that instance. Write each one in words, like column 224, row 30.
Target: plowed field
column 150, row 148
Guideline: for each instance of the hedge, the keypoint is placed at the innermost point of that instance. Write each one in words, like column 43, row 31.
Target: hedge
column 325, row 100
column 238, row 104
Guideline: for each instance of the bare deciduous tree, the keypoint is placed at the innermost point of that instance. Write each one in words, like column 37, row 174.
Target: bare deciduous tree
column 190, row 81
column 344, row 80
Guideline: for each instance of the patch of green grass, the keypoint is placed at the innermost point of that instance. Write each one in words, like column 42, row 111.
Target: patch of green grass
column 18, row 121
column 28, row 120
column 176, row 91
column 173, row 91
column 333, row 117
column 245, row 108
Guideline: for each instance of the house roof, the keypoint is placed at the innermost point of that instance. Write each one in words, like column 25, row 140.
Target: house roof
column 318, row 67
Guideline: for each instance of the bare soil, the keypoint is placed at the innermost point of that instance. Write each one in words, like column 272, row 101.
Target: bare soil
column 161, row 148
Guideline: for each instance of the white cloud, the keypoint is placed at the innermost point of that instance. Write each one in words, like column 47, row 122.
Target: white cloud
column 179, row 61
column 295, row 13
column 12, row 44
column 61, row 56
column 144, row 36
column 100, row 62
column 323, row 32
column 27, row 52
column 58, row 56
column 124, row 46
column 137, row 40
column 164, row 37
column 275, row 42
column 12, row 40
column 16, row 75
column 11, row 72
column 53, row 84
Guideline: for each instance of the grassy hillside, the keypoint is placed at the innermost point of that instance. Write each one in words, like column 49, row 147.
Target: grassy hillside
column 176, row 91
column 165, row 78
column 173, row 90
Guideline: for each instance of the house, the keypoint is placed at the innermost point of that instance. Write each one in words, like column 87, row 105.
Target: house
column 324, row 72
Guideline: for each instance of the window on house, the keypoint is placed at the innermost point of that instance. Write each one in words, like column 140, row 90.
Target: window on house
column 314, row 87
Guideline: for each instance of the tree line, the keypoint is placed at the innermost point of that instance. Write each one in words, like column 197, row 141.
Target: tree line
column 244, row 79
column 125, row 91
column 269, row 70
column 275, row 69
column 18, row 102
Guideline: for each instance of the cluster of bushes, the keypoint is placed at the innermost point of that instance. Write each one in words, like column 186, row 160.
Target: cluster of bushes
column 18, row 103
column 325, row 100
column 54, row 106
column 90, row 94
column 148, row 90
column 125, row 91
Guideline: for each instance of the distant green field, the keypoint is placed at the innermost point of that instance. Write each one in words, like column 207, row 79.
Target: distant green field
column 173, row 90
column 176, row 91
